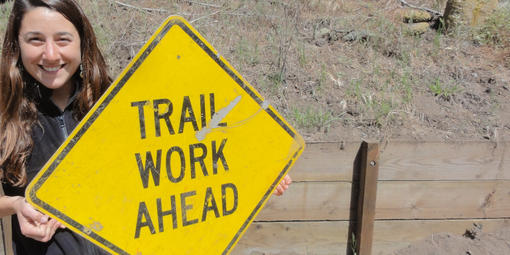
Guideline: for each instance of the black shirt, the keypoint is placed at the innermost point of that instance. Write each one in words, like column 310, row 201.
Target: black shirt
column 48, row 134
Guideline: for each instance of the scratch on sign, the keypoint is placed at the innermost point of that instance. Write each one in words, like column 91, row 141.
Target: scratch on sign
column 216, row 119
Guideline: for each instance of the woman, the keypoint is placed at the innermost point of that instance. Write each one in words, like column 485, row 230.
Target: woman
column 51, row 73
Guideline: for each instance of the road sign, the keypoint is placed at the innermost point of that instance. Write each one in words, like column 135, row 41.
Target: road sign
column 177, row 157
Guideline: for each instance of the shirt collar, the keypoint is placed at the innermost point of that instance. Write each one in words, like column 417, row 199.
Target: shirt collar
column 47, row 106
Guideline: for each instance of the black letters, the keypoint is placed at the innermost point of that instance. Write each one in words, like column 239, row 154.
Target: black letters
column 187, row 110
column 198, row 154
column 169, row 165
column 202, row 110
column 162, row 213
column 224, row 198
column 190, row 204
column 163, row 109
column 166, row 116
column 143, row 212
column 207, row 208
column 185, row 207
column 141, row 116
column 218, row 154
column 193, row 159
column 149, row 165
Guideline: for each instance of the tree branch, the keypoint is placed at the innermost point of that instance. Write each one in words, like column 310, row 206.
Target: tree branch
column 204, row 4
column 205, row 16
column 434, row 12
column 140, row 8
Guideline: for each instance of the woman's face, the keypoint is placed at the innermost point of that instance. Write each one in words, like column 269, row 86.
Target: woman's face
column 50, row 47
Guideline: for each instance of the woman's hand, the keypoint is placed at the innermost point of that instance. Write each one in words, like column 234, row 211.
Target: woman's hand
column 283, row 185
column 33, row 223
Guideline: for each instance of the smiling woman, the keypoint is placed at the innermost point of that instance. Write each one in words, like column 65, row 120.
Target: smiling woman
column 50, row 51
column 51, row 73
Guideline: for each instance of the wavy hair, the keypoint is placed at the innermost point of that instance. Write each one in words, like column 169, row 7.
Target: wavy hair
column 18, row 112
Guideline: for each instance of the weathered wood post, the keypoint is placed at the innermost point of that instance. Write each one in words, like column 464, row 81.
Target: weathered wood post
column 365, row 212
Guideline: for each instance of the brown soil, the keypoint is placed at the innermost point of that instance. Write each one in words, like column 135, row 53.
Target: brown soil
column 339, row 70
column 473, row 242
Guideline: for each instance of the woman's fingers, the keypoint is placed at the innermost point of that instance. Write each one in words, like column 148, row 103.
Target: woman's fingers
column 287, row 179
column 31, row 214
column 31, row 228
column 283, row 185
column 278, row 191
column 40, row 232
column 51, row 228
column 34, row 224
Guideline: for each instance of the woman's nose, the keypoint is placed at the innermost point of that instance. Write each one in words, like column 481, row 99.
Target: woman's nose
column 50, row 52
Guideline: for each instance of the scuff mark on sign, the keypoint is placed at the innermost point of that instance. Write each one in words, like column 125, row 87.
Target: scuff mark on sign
column 216, row 119
column 96, row 226
column 265, row 105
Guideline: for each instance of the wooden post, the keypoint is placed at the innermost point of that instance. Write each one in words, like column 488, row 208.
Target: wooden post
column 5, row 232
column 369, row 171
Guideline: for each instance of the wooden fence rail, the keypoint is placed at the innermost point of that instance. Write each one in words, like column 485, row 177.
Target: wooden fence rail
column 423, row 188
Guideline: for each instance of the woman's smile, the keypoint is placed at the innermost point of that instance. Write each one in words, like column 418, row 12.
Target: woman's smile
column 51, row 69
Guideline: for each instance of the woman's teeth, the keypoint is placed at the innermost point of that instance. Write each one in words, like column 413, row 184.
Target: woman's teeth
column 51, row 69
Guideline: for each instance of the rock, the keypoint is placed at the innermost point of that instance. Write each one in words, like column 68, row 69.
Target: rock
column 417, row 28
column 468, row 12
column 333, row 37
column 322, row 36
column 323, row 32
column 415, row 16
column 357, row 35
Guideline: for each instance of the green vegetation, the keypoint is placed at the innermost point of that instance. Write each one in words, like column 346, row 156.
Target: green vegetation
column 248, row 54
column 4, row 14
column 302, row 55
column 496, row 30
column 310, row 118
column 322, row 77
column 441, row 90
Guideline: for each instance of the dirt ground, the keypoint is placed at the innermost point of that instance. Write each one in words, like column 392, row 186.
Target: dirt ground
column 340, row 70
column 349, row 70
column 473, row 242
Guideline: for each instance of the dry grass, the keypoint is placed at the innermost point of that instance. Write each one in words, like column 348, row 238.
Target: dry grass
column 384, row 83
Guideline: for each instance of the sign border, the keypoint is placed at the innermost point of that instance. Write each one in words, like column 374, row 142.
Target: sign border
column 170, row 22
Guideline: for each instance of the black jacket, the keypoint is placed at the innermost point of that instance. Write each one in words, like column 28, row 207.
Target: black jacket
column 48, row 134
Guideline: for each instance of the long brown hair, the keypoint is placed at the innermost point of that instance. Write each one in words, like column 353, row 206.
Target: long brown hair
column 18, row 112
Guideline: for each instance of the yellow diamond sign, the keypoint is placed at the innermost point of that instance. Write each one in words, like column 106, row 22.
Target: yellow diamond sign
column 177, row 157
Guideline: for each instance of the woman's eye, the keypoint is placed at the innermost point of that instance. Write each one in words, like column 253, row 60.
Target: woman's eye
column 63, row 41
column 35, row 39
